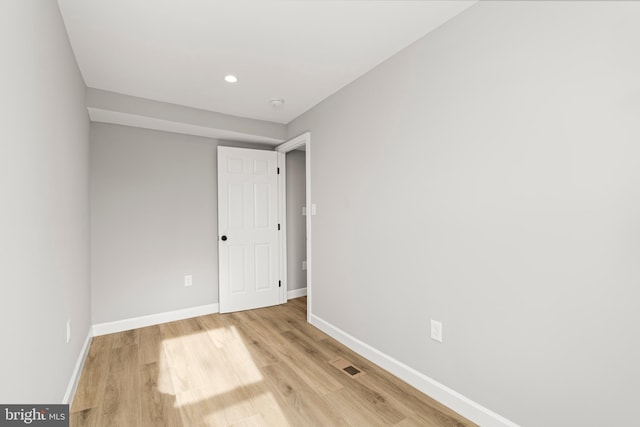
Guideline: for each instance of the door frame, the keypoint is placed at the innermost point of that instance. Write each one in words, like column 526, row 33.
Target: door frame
column 282, row 149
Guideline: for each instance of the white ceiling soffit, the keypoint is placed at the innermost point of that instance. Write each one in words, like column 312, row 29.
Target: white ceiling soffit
column 111, row 107
column 178, row 51
column 146, row 122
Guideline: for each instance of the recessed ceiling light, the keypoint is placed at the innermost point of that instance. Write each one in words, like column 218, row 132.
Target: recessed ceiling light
column 230, row 78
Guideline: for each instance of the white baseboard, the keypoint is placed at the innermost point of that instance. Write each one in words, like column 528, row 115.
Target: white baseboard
column 77, row 370
column 297, row 293
column 153, row 319
column 443, row 394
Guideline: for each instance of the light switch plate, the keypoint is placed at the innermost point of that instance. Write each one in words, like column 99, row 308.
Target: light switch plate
column 436, row 330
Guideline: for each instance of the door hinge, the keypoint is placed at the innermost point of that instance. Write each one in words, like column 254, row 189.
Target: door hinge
column 279, row 283
column 278, row 227
column 278, row 171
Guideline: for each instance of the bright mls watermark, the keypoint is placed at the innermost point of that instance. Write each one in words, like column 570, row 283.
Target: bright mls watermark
column 34, row 415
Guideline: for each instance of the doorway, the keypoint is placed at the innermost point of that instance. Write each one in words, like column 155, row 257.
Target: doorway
column 296, row 216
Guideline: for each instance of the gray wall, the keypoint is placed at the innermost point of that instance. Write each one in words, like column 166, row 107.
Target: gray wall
column 487, row 177
column 296, row 223
column 153, row 220
column 44, row 204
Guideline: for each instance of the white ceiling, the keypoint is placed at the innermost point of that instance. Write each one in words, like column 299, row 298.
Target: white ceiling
column 178, row 51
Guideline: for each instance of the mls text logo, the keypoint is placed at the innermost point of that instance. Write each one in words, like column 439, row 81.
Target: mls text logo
column 36, row 415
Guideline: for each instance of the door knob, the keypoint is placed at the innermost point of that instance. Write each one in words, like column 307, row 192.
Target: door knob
column 223, row 238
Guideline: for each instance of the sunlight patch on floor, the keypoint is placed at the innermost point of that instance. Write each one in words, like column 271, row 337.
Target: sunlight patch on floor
column 214, row 378
column 194, row 362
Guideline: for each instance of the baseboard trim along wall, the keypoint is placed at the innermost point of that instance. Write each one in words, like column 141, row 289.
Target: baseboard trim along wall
column 297, row 293
column 153, row 319
column 443, row 394
column 169, row 316
column 77, row 370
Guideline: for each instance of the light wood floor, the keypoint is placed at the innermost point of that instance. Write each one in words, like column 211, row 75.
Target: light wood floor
column 264, row 367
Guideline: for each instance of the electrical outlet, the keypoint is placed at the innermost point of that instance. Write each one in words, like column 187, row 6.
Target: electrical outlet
column 188, row 280
column 68, row 330
column 313, row 208
column 436, row 330
column 304, row 265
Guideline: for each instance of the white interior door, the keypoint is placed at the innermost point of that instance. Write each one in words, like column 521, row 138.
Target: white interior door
column 248, row 241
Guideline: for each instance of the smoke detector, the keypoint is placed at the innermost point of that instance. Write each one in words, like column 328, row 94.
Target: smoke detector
column 277, row 102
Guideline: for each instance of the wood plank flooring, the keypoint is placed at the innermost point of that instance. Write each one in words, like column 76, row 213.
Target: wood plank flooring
column 264, row 367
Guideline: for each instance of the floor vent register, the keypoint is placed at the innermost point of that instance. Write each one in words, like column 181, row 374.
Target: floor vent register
column 346, row 367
